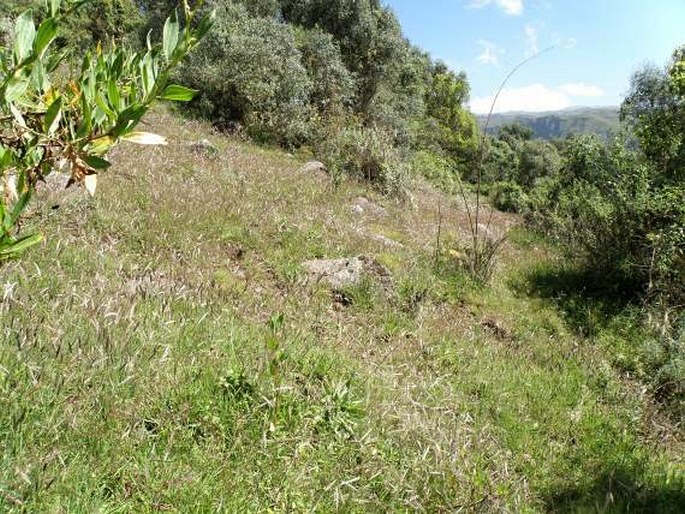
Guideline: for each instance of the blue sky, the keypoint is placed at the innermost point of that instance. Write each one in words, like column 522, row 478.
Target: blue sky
column 599, row 44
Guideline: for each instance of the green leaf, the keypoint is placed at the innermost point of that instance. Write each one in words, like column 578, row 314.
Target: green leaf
column 25, row 33
column 95, row 162
column 5, row 157
column 53, row 116
column 128, row 119
column 100, row 145
column 18, row 208
column 84, row 129
column 178, row 93
column 39, row 81
column 54, row 7
column 113, row 95
column 170, row 38
column 144, row 138
column 46, row 35
column 19, row 245
column 15, row 88
column 206, row 24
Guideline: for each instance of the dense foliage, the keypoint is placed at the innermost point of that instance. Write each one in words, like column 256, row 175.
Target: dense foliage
column 309, row 72
column 617, row 206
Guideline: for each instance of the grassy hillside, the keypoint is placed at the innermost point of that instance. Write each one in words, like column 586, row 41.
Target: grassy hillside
column 602, row 121
column 163, row 351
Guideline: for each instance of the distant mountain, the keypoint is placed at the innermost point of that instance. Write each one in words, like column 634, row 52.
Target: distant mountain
column 602, row 121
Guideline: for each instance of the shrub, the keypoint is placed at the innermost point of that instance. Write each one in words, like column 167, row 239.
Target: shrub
column 367, row 153
column 509, row 197
column 249, row 71
column 436, row 168
column 615, row 215
column 333, row 86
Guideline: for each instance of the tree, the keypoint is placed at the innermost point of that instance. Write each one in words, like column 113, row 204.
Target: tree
column 44, row 122
column 677, row 71
column 452, row 127
column 333, row 86
column 369, row 36
column 655, row 112
column 250, row 71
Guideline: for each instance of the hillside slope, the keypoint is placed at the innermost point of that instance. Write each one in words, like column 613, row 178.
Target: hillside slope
column 603, row 121
column 164, row 350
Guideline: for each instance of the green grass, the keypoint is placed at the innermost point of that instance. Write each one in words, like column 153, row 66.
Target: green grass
column 139, row 370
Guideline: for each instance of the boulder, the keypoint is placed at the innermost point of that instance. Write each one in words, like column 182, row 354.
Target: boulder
column 341, row 273
column 363, row 205
column 314, row 167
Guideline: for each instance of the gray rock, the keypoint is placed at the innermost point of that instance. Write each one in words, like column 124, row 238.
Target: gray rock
column 356, row 209
column 341, row 273
column 337, row 273
column 314, row 167
column 386, row 241
column 363, row 205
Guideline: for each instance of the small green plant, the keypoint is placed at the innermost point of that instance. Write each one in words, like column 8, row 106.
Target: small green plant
column 48, row 123
column 369, row 154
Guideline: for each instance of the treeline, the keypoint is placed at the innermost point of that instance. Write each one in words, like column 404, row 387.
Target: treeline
column 602, row 121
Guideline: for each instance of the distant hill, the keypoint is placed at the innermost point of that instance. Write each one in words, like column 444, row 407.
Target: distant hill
column 602, row 121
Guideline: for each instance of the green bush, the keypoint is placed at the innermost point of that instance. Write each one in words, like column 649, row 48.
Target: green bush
column 509, row 197
column 367, row 153
column 250, row 71
column 436, row 168
column 616, row 216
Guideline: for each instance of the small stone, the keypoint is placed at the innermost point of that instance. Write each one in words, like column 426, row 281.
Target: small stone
column 364, row 205
column 204, row 146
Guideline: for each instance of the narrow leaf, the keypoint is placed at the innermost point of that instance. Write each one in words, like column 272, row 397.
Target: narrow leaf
column 95, row 162
column 100, row 145
column 113, row 95
column 170, row 38
column 54, row 7
column 144, row 138
column 128, row 119
column 46, row 35
column 19, row 207
column 20, row 245
column 15, row 88
column 53, row 116
column 178, row 93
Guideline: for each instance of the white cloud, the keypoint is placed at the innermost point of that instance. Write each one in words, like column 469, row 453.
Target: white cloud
column 531, row 40
column 489, row 54
column 582, row 89
column 510, row 7
column 535, row 98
